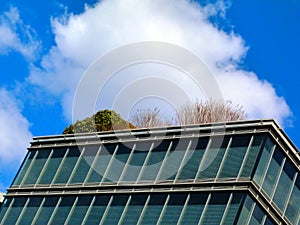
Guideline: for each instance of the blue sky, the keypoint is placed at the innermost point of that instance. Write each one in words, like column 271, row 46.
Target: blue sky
column 251, row 46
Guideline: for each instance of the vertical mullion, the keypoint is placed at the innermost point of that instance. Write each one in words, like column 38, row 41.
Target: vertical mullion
column 204, row 210
column 163, row 209
column 145, row 162
column 92, row 165
column 76, row 165
column 264, row 219
column 251, row 213
column 109, row 164
column 54, row 211
column 127, row 164
column 290, row 193
column 44, row 168
column 144, row 209
column 277, row 181
column 183, row 209
column 7, row 211
column 71, row 211
column 124, row 210
column 246, row 156
column 106, row 210
column 89, row 210
column 163, row 162
column 224, row 158
column 298, row 219
column 22, row 212
column 38, row 211
column 29, row 168
column 183, row 160
column 267, row 167
column 227, row 208
column 203, row 158
column 59, row 167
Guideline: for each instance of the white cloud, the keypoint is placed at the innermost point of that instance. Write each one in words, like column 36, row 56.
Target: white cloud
column 80, row 39
column 17, row 36
column 258, row 97
column 14, row 133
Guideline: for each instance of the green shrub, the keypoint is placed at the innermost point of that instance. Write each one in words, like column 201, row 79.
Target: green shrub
column 103, row 120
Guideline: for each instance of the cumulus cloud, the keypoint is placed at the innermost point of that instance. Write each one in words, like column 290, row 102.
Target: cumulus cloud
column 80, row 39
column 17, row 36
column 14, row 133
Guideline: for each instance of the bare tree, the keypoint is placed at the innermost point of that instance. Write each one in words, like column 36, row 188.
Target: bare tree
column 199, row 112
column 148, row 118
column 208, row 112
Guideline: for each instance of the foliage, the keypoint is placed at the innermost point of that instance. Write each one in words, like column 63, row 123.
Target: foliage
column 103, row 120
column 210, row 111
column 198, row 112
column 149, row 118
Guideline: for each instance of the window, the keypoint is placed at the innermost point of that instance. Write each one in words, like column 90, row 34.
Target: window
column 213, row 157
column 234, row 156
column 52, row 166
column 192, row 159
column 273, row 172
column 67, row 166
column 264, row 158
column 37, row 166
column 84, row 164
column 293, row 209
column 284, row 185
column 25, row 167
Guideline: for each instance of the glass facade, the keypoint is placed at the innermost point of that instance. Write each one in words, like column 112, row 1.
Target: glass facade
column 175, row 159
column 155, row 208
column 177, row 179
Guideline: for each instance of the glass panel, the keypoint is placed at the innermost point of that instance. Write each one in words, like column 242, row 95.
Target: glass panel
column 193, row 159
column 264, row 158
column 249, row 165
column 153, row 209
column 67, row 166
column 37, row 166
column 116, row 209
column 135, row 209
column 118, row 162
column 245, row 212
column 194, row 209
column 234, row 206
column 31, row 209
column 257, row 216
column 293, row 207
column 15, row 211
column 63, row 210
column 154, row 162
column 235, row 156
column 215, row 209
column 52, row 166
column 137, row 161
column 80, row 210
column 269, row 222
column 84, row 164
column 213, row 157
column 4, row 207
column 47, row 210
column 284, row 185
column 24, row 168
column 273, row 172
column 101, row 163
column 97, row 209
column 173, row 209
column 173, row 160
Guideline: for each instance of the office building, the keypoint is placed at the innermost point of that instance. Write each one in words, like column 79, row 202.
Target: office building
column 244, row 172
